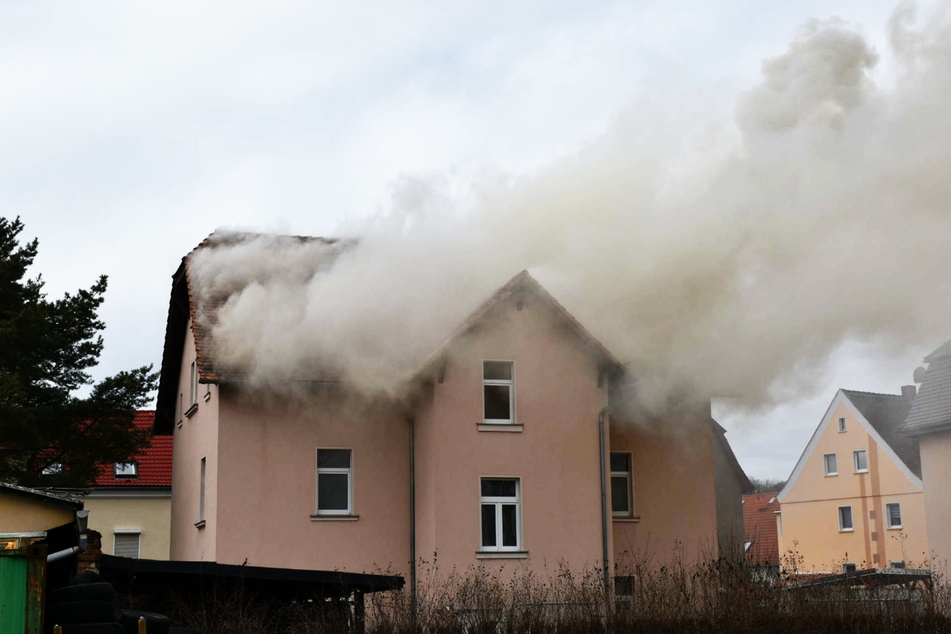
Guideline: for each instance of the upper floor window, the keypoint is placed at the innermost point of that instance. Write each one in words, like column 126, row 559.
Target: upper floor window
column 845, row 518
column 893, row 515
column 830, row 464
column 501, row 522
column 498, row 392
column 126, row 470
column 841, row 424
column 860, row 458
column 334, row 482
column 192, row 389
column 622, row 491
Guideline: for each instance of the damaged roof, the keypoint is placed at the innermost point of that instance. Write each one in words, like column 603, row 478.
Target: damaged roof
column 186, row 306
column 931, row 411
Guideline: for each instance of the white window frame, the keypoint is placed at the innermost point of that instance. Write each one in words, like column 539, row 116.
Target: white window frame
column 117, row 467
column 499, row 501
column 333, row 470
column 630, row 485
column 842, row 426
column 825, row 466
column 128, row 531
column 855, row 460
column 511, row 385
column 888, row 516
column 842, row 528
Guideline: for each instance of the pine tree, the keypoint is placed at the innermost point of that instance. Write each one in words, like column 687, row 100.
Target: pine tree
column 49, row 435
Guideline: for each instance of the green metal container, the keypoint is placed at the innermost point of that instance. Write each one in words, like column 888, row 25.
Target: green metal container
column 22, row 585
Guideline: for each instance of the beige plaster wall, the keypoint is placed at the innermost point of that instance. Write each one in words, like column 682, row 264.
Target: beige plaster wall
column 194, row 437
column 21, row 515
column 810, row 524
column 936, row 474
column 150, row 515
column 674, row 492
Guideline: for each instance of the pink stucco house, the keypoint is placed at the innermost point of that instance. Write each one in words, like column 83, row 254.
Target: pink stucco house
column 510, row 448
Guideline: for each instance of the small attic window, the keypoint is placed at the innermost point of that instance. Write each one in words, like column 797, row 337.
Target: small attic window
column 126, row 470
column 841, row 425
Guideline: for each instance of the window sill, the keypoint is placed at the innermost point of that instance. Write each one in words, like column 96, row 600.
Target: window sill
column 191, row 410
column 861, row 471
column 631, row 519
column 846, row 530
column 334, row 518
column 200, row 524
column 831, row 475
column 502, row 554
column 503, row 427
column 894, row 528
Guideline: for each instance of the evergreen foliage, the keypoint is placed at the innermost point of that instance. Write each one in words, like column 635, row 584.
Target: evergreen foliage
column 47, row 348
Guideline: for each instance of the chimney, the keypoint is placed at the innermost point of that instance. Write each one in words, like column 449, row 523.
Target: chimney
column 909, row 391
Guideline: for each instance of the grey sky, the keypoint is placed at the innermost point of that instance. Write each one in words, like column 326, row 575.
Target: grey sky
column 132, row 130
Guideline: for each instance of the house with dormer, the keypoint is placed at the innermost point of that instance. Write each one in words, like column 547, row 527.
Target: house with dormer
column 854, row 499
column 508, row 447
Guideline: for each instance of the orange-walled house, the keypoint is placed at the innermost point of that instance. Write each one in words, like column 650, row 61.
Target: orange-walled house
column 929, row 421
column 493, row 457
column 854, row 499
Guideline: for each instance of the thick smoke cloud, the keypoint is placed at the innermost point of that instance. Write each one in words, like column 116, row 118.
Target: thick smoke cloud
column 732, row 261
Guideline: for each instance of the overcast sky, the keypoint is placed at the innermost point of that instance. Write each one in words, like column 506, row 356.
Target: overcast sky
column 130, row 131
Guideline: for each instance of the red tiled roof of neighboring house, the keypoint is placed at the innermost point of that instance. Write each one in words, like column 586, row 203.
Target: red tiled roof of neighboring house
column 759, row 524
column 153, row 464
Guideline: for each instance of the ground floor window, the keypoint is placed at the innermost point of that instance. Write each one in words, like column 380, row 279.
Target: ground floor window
column 624, row 591
column 127, row 543
column 500, row 514
column 849, row 568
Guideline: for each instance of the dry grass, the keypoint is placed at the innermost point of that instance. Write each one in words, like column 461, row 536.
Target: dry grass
column 707, row 596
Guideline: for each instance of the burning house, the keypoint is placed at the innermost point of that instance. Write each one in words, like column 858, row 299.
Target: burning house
column 511, row 442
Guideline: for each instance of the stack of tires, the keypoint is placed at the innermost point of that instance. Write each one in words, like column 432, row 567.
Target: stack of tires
column 88, row 606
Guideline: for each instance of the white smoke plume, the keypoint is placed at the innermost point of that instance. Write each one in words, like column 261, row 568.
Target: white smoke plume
column 734, row 261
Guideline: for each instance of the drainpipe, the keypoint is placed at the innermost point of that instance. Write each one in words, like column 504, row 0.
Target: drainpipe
column 412, row 520
column 604, row 524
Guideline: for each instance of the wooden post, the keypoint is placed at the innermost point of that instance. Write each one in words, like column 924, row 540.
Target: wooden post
column 142, row 625
column 359, row 613
column 35, row 587
column 57, row 629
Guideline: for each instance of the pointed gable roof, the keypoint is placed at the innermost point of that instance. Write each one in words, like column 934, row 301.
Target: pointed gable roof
column 519, row 286
column 931, row 411
column 886, row 410
column 185, row 306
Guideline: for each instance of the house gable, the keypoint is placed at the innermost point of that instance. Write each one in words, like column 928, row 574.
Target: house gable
column 840, row 404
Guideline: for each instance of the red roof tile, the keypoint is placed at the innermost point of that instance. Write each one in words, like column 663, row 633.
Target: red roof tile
column 153, row 464
column 759, row 524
